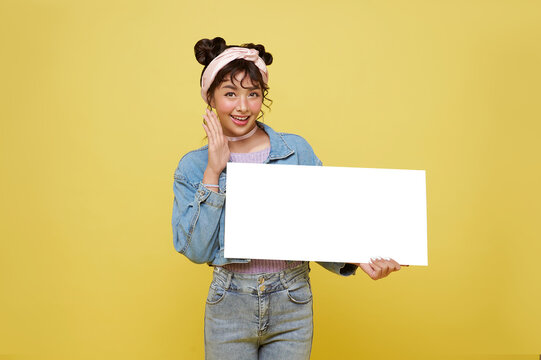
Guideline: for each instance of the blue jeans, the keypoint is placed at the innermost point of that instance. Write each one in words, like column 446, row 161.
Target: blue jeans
column 259, row 316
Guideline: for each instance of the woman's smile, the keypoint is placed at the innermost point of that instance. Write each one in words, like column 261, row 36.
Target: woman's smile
column 240, row 120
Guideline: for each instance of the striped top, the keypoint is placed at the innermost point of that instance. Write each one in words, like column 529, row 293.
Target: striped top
column 257, row 266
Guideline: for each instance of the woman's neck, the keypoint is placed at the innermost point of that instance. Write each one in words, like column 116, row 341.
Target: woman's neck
column 256, row 142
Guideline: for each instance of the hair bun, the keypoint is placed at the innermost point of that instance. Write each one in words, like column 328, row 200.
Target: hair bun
column 267, row 57
column 206, row 50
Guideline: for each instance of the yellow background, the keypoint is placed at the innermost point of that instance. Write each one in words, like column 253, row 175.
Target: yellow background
column 100, row 99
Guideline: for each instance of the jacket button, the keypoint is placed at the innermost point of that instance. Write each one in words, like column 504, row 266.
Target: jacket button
column 201, row 192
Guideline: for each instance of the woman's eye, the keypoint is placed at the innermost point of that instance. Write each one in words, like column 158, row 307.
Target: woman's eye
column 254, row 94
column 230, row 94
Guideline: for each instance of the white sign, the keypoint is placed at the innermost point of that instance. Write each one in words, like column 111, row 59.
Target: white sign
column 325, row 213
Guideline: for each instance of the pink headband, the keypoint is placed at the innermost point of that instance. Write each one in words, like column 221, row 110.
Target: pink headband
column 225, row 58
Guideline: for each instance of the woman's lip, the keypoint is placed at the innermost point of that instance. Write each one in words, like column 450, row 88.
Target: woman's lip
column 239, row 122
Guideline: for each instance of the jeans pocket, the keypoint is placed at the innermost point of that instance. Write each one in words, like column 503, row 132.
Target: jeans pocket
column 300, row 292
column 216, row 294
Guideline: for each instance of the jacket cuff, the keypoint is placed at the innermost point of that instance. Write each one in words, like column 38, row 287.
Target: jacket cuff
column 339, row 268
column 209, row 197
column 348, row 269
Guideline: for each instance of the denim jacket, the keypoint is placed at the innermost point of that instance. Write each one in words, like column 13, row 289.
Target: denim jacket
column 198, row 213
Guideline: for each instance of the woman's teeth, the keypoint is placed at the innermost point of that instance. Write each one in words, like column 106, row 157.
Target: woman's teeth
column 240, row 120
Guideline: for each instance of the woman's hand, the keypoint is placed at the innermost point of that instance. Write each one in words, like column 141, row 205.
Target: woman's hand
column 218, row 143
column 379, row 268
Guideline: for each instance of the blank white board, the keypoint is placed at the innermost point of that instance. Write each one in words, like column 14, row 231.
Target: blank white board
column 325, row 213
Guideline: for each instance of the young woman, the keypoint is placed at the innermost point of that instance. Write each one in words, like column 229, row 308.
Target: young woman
column 256, row 309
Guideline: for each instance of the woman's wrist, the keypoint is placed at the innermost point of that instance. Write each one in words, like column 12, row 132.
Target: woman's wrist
column 210, row 178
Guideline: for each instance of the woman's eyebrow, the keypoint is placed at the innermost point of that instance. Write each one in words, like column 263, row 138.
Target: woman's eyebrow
column 235, row 88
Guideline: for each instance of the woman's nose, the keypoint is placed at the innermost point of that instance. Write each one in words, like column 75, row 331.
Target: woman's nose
column 243, row 104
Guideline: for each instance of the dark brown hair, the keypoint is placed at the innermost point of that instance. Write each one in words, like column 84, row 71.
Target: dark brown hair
column 206, row 50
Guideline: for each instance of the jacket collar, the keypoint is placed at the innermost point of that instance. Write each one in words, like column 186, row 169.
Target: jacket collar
column 279, row 148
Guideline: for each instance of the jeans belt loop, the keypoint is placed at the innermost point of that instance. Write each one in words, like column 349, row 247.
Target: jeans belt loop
column 283, row 280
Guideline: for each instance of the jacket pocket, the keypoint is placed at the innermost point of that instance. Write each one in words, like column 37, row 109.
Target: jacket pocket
column 216, row 294
column 300, row 292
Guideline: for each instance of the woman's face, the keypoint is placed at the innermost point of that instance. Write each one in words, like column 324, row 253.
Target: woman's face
column 237, row 106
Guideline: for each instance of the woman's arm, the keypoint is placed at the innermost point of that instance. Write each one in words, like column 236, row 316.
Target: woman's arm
column 197, row 210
